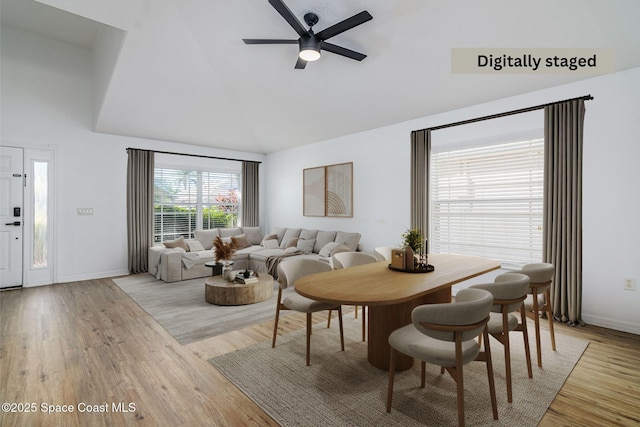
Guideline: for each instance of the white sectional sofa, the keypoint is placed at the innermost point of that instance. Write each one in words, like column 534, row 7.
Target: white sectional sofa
column 184, row 259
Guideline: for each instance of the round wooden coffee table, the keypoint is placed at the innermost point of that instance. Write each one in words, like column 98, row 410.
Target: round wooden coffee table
column 221, row 292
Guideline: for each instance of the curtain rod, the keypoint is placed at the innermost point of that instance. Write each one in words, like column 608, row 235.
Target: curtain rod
column 196, row 155
column 508, row 113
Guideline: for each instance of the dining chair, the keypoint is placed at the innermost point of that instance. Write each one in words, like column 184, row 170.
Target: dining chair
column 509, row 291
column 351, row 259
column 539, row 301
column 445, row 335
column 383, row 253
column 289, row 272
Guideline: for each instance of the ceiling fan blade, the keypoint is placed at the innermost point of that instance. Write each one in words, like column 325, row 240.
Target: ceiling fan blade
column 288, row 16
column 330, row 47
column 345, row 25
column 269, row 41
column 300, row 64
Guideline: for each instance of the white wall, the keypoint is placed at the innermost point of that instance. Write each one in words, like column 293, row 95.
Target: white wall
column 47, row 103
column 611, row 201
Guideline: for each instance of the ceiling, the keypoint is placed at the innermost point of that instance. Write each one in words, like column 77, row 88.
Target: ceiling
column 183, row 74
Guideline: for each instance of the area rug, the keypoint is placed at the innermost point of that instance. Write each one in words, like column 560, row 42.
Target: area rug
column 181, row 309
column 342, row 389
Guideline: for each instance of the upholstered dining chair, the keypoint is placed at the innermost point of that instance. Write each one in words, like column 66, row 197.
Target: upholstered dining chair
column 351, row 259
column 539, row 301
column 289, row 272
column 445, row 335
column 383, row 253
column 509, row 291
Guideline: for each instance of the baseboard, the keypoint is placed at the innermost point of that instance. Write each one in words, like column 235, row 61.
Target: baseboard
column 92, row 276
column 617, row 324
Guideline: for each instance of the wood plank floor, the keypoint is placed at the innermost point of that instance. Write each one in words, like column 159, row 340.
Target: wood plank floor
column 87, row 343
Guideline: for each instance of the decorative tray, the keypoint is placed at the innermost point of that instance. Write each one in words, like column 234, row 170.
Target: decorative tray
column 429, row 268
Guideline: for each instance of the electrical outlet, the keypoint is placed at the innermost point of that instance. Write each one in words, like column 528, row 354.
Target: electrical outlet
column 85, row 211
column 629, row 284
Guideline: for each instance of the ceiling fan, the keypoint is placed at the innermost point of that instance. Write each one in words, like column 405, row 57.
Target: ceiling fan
column 311, row 43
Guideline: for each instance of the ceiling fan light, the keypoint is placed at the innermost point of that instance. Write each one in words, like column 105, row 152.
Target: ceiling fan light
column 309, row 54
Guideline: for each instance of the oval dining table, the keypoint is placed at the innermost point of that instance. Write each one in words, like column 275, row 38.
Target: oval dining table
column 391, row 295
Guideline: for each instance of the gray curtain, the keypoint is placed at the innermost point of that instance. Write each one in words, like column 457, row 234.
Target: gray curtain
column 563, row 124
column 139, row 208
column 250, row 194
column 420, row 162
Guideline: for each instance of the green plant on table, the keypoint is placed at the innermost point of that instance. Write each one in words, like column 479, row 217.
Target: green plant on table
column 413, row 238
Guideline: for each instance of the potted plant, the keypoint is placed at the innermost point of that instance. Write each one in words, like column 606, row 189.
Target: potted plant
column 223, row 253
column 413, row 238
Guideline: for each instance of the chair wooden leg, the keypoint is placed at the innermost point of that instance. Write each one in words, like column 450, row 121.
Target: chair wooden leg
column 492, row 385
column 507, row 355
column 355, row 310
column 329, row 319
column 536, row 320
column 525, row 337
column 423, row 374
column 550, row 317
column 308, row 339
column 275, row 326
column 392, row 371
column 341, row 329
column 459, row 378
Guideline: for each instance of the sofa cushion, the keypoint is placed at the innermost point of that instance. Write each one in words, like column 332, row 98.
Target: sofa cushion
column 194, row 245
column 349, row 239
column 308, row 234
column 254, row 234
column 228, row 232
column 206, row 237
column 305, row 245
column 322, row 239
column 280, row 233
column 177, row 243
column 291, row 233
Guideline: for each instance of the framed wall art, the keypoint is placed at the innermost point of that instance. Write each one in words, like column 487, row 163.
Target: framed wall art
column 328, row 191
column 314, row 191
column 339, row 198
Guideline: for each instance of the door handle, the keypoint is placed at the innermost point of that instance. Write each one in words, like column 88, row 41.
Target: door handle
column 17, row 223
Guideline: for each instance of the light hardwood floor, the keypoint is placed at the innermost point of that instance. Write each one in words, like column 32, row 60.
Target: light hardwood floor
column 89, row 343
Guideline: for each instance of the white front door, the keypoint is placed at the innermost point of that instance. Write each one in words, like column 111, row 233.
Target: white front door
column 11, row 212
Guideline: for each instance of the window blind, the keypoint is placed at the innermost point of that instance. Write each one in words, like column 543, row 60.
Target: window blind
column 488, row 201
column 186, row 200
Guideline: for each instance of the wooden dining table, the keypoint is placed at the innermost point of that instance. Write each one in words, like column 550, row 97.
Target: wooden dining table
column 391, row 295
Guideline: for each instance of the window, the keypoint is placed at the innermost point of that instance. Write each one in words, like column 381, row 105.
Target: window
column 186, row 200
column 487, row 201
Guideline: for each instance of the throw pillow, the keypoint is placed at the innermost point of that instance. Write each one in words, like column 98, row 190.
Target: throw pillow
column 177, row 243
column 194, row 245
column 271, row 244
column 291, row 250
column 328, row 248
column 306, row 245
column 341, row 248
column 241, row 241
column 269, row 237
column 291, row 243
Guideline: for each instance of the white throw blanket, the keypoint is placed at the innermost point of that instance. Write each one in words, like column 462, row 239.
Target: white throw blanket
column 189, row 259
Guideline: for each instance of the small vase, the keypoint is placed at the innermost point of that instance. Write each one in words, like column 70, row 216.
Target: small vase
column 227, row 271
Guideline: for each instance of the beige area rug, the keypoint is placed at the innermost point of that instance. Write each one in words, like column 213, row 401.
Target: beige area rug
column 342, row 389
column 181, row 309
